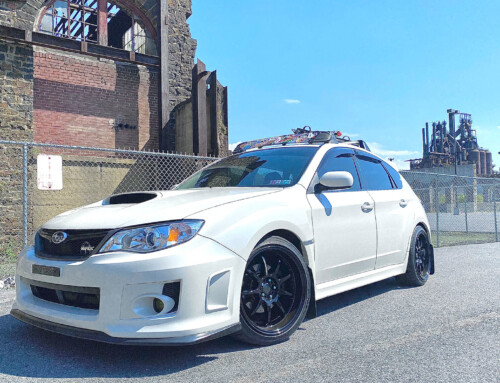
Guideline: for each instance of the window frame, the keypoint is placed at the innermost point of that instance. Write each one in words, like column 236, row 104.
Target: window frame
column 312, row 189
column 382, row 163
column 136, row 15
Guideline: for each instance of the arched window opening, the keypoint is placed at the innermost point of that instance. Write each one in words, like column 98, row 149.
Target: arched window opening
column 75, row 19
column 81, row 20
column 127, row 31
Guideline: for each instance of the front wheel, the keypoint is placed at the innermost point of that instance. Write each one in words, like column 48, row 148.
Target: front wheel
column 420, row 260
column 275, row 293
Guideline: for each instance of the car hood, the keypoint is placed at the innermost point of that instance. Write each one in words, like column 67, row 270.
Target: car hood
column 166, row 206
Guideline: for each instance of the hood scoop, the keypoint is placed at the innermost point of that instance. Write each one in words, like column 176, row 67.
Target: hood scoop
column 129, row 198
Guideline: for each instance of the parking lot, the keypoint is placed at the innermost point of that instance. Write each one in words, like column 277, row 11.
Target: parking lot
column 446, row 331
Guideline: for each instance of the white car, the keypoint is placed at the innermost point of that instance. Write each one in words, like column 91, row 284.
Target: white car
column 245, row 246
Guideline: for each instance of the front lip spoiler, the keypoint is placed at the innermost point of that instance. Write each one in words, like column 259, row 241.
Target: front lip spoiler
column 99, row 336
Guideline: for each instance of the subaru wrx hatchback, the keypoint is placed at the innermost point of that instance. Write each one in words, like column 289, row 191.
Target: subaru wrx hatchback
column 245, row 246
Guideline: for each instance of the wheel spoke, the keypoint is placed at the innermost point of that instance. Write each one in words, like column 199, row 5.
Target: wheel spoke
column 287, row 293
column 285, row 278
column 250, row 292
column 269, row 311
column 252, row 273
column 265, row 266
column 280, row 306
column 256, row 308
column 275, row 274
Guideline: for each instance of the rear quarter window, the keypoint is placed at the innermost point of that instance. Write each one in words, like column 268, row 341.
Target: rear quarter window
column 396, row 177
column 373, row 174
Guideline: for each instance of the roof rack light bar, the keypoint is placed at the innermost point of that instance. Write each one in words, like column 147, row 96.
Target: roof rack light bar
column 300, row 136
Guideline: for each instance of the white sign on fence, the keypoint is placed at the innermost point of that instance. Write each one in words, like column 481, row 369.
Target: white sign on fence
column 49, row 172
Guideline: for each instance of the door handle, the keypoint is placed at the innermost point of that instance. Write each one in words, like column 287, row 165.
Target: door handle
column 403, row 203
column 367, row 207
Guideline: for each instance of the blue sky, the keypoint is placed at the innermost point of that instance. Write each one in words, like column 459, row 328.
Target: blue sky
column 377, row 70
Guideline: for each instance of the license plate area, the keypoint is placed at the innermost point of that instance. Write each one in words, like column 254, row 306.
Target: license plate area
column 50, row 271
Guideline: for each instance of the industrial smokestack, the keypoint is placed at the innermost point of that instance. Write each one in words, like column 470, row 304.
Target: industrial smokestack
column 483, row 162
column 489, row 163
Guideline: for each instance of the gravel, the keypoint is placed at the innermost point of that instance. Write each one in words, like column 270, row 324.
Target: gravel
column 446, row 331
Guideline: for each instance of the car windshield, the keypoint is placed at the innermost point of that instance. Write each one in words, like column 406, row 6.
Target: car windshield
column 277, row 167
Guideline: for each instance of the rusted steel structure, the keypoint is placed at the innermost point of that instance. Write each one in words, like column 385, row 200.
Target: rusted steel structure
column 449, row 145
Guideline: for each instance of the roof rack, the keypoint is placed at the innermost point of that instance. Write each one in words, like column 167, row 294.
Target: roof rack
column 303, row 135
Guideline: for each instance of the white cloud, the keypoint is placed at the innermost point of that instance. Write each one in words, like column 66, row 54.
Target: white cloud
column 291, row 101
column 233, row 146
column 498, row 127
column 399, row 157
column 381, row 151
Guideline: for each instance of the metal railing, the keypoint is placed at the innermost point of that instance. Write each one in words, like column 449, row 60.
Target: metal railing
column 460, row 209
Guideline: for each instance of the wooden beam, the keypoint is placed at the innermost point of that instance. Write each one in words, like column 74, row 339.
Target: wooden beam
column 102, row 22
column 164, row 74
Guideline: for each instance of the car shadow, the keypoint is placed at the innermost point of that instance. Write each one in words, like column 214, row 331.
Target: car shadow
column 30, row 352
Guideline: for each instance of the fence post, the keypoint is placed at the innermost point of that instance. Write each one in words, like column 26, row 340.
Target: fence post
column 25, row 195
column 466, row 222
column 437, row 211
column 495, row 213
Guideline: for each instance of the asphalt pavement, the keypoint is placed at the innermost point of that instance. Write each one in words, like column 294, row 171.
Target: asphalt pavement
column 446, row 331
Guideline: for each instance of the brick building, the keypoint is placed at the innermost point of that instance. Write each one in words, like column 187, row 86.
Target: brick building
column 113, row 74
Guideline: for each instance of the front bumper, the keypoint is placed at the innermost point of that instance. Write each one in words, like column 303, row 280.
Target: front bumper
column 210, row 278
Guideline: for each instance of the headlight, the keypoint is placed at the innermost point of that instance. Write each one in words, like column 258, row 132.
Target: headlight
column 152, row 238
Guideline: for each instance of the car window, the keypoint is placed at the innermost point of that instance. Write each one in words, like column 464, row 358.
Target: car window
column 396, row 177
column 340, row 160
column 276, row 167
column 373, row 174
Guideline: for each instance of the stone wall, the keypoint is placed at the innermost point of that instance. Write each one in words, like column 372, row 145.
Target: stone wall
column 16, row 123
column 182, row 49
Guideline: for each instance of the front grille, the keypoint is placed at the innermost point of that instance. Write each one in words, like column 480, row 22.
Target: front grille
column 82, row 297
column 78, row 245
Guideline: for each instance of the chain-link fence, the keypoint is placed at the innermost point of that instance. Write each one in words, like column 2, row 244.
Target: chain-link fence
column 88, row 175
column 460, row 209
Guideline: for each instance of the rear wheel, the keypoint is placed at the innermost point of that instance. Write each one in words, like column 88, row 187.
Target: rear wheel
column 275, row 293
column 419, row 260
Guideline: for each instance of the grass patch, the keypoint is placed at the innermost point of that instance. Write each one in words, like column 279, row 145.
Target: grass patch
column 8, row 258
column 455, row 238
column 8, row 251
column 7, row 270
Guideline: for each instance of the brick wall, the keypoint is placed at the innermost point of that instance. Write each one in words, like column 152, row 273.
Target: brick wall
column 81, row 100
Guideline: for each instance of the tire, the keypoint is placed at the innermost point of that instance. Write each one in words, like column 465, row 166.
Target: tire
column 275, row 293
column 420, row 260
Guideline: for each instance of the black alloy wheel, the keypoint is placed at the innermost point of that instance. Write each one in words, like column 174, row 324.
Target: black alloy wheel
column 419, row 261
column 422, row 256
column 275, row 293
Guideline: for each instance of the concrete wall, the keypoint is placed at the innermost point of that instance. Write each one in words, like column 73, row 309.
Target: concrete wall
column 468, row 170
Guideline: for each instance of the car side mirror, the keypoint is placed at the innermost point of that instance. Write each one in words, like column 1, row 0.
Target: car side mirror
column 336, row 181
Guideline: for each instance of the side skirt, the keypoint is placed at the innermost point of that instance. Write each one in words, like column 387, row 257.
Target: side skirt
column 354, row 281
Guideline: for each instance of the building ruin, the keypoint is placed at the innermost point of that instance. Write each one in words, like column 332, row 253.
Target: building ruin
column 111, row 74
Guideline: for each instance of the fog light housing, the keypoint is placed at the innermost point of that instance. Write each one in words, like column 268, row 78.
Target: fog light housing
column 158, row 305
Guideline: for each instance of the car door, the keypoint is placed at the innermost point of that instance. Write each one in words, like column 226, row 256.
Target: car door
column 343, row 222
column 391, row 214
